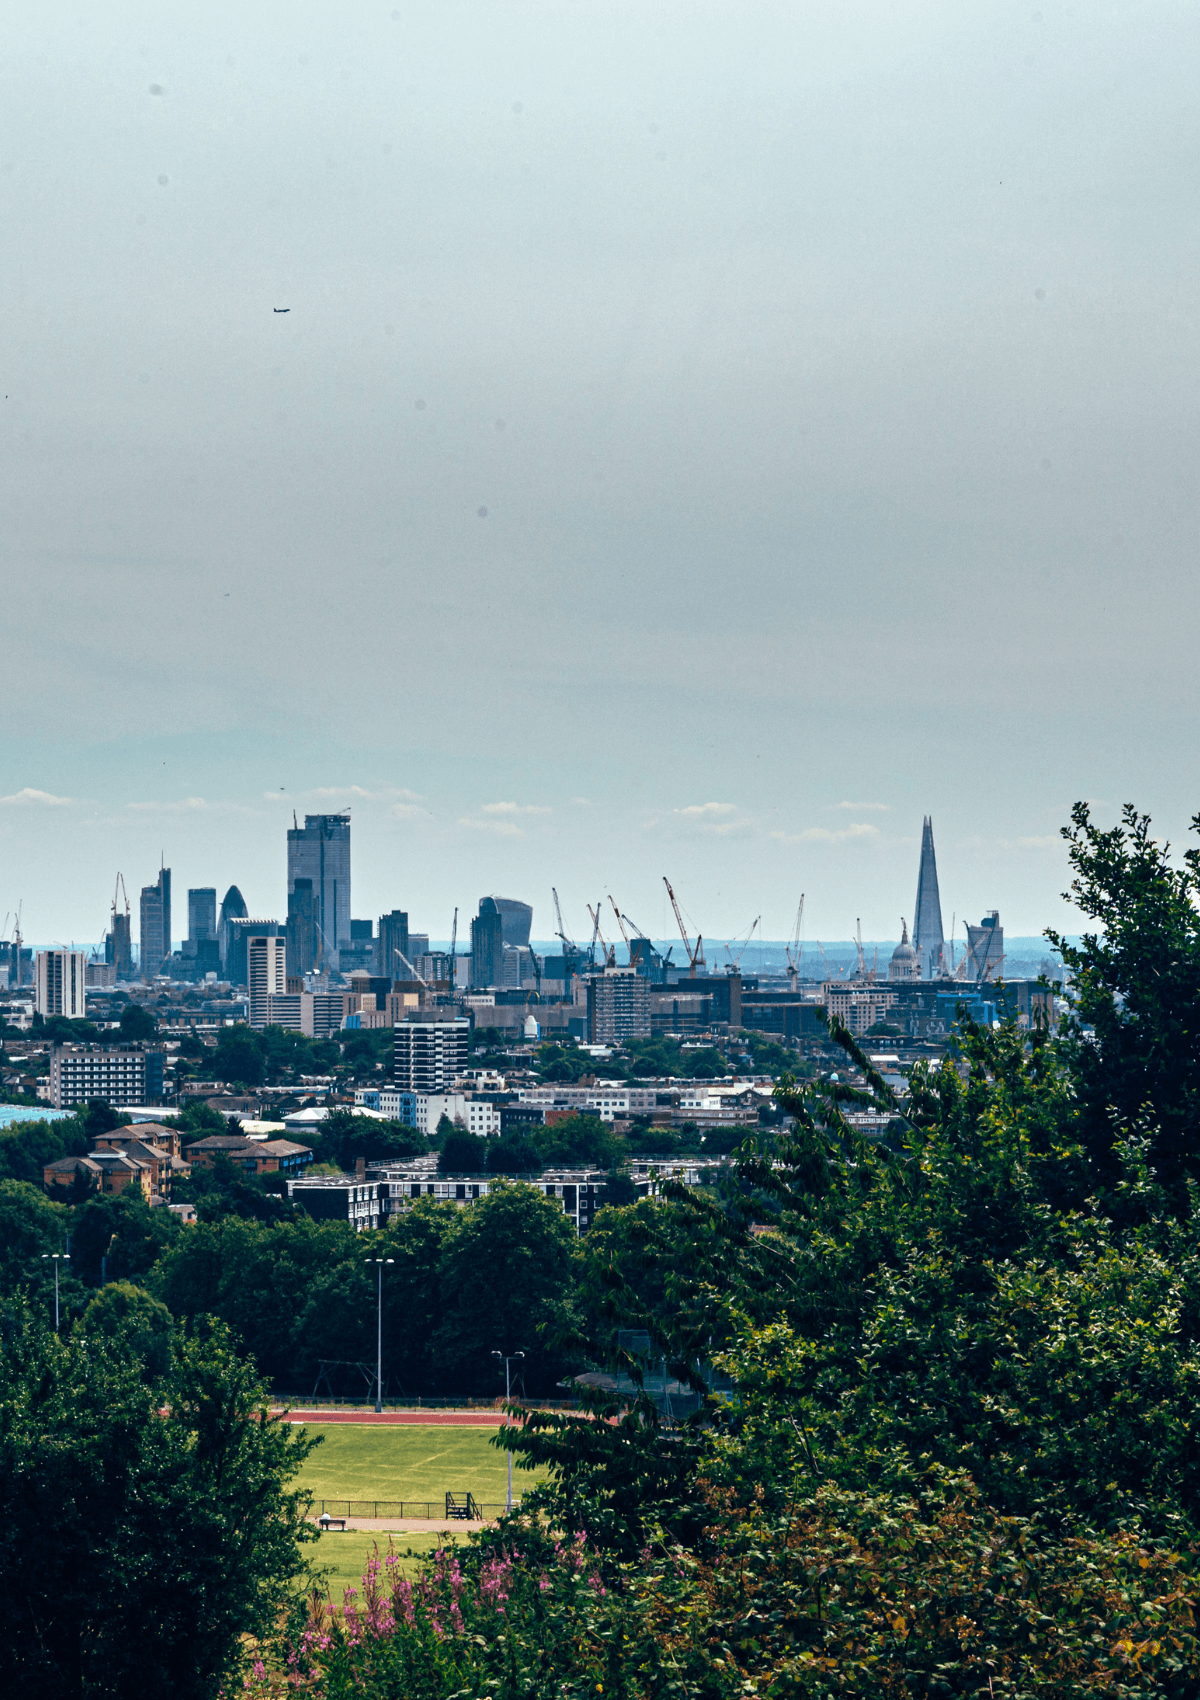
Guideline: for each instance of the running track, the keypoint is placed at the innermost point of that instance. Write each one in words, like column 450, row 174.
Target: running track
column 424, row 1419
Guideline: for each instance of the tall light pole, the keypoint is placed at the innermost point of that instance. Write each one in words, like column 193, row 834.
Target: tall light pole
column 379, row 1333
column 516, row 1358
column 53, row 1257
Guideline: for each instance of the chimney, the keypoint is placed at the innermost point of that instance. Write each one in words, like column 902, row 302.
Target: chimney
column 360, row 1169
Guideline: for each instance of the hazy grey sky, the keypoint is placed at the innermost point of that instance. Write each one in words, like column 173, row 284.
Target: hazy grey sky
column 703, row 440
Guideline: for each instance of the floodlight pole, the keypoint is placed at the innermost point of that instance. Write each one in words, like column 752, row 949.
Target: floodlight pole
column 379, row 1334
column 54, row 1257
column 517, row 1357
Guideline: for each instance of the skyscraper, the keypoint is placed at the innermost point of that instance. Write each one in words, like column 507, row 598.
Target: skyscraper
column 265, row 974
column 320, row 851
column 233, row 906
column 301, row 929
column 487, row 944
column 59, row 984
column 393, row 936
column 156, row 924
column 928, row 939
column 202, row 913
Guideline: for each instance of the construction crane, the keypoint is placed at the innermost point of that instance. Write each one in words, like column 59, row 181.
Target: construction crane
column 568, row 944
column 858, row 945
column 621, row 924
column 610, row 954
column 693, row 956
column 17, row 941
column 415, row 972
column 794, row 948
column 735, row 960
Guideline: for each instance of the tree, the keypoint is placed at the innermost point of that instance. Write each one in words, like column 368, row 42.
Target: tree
column 507, row 1277
column 121, row 1311
column 142, row 1542
column 29, row 1225
column 513, row 1154
column 240, row 1056
column 1133, row 1041
column 137, row 1024
column 462, row 1153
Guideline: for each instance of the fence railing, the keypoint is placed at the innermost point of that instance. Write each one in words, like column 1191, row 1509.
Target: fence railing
column 431, row 1510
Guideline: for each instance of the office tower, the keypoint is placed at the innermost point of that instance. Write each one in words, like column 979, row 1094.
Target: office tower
column 487, row 944
column 118, row 946
column 927, row 923
column 241, row 928
column 233, row 907
column 202, row 913
column 59, row 984
column 985, row 948
column 618, row 1006
column 266, row 973
column 516, row 919
column 393, row 936
column 430, row 1054
column 156, row 924
column 320, row 851
column 356, row 955
column 301, row 929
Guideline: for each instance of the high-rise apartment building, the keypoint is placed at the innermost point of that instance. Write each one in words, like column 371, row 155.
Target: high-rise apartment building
column 266, row 974
column 393, row 936
column 301, row 928
column 618, row 1006
column 928, row 939
column 156, row 924
column 430, row 1054
column 59, row 984
column 114, row 1074
column 320, row 851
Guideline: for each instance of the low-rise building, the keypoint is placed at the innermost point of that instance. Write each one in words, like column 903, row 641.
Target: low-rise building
column 478, row 1115
column 253, row 1156
column 103, row 1171
column 339, row 1198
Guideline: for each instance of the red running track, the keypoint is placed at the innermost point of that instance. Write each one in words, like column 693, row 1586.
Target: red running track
column 427, row 1419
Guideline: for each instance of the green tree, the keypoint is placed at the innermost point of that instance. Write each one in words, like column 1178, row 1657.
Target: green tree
column 137, row 1023
column 141, row 1542
column 30, row 1224
column 507, row 1278
column 462, row 1153
column 240, row 1056
column 122, row 1312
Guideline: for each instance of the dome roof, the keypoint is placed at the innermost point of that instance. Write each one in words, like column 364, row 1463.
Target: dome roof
column 904, row 952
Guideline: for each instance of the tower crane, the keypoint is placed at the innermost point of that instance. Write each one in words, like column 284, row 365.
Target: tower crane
column 610, row 955
column 693, row 956
column 415, row 972
column 735, row 959
column 794, row 948
column 621, row 924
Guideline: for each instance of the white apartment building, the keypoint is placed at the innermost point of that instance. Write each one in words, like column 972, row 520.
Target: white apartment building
column 477, row 1115
column 315, row 1014
column 59, row 984
column 266, row 975
column 617, row 1102
column 430, row 1054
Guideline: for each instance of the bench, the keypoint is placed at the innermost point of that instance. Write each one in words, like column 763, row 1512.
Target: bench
column 327, row 1522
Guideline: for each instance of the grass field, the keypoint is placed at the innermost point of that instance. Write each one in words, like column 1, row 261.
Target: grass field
column 409, row 1463
column 343, row 1555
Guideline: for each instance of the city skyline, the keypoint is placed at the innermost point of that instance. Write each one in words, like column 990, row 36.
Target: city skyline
column 719, row 417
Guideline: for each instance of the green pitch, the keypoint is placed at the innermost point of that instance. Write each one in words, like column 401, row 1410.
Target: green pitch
column 341, row 1557
column 409, row 1462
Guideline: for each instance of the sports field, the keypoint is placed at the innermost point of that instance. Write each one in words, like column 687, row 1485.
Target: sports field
column 408, row 1463
column 342, row 1556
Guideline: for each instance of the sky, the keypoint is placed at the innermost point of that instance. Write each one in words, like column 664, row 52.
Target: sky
column 701, row 440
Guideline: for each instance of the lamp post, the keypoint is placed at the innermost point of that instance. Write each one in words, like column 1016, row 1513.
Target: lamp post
column 53, row 1257
column 516, row 1358
column 379, row 1333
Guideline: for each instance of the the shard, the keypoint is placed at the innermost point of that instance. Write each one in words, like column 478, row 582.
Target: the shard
column 927, row 937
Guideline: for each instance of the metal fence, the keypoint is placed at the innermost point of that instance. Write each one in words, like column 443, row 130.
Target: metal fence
column 432, row 1510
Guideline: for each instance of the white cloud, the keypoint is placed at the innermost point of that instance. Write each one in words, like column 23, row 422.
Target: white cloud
column 502, row 828
column 1050, row 841
column 512, row 809
column 29, row 798
column 823, row 835
column 705, row 811
column 349, row 793
column 862, row 808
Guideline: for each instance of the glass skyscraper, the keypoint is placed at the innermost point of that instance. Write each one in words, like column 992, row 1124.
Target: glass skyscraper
column 320, row 851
